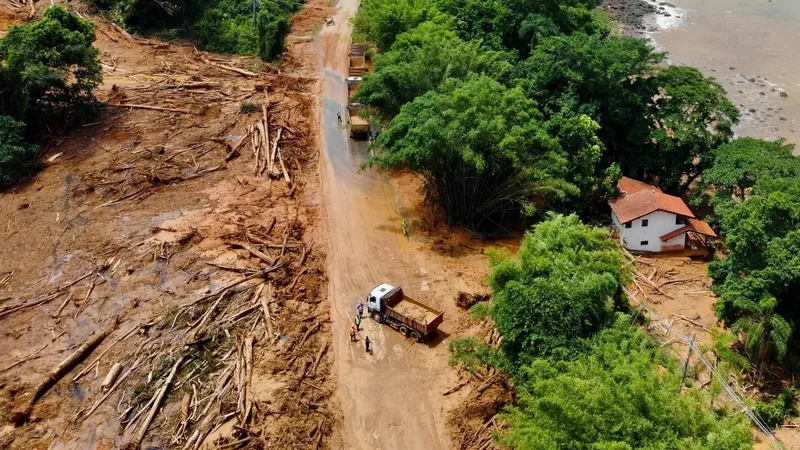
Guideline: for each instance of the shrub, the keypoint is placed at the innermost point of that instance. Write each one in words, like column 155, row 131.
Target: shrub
column 248, row 107
column 775, row 412
column 49, row 69
column 17, row 157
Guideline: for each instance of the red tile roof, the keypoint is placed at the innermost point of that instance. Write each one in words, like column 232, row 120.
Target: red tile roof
column 636, row 199
column 674, row 233
column 693, row 225
column 698, row 226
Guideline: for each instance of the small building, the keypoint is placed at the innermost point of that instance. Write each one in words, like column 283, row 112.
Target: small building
column 649, row 220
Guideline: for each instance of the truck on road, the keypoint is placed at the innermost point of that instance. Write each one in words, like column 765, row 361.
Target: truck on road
column 359, row 127
column 388, row 304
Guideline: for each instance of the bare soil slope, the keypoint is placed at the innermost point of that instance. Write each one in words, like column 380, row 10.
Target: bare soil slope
column 139, row 224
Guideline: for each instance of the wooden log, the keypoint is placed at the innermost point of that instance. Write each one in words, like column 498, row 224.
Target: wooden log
column 265, row 113
column 112, row 375
column 153, row 108
column 258, row 254
column 103, row 353
column 265, row 307
column 456, row 387
column 32, row 11
column 21, row 415
column 157, row 403
column 320, row 354
column 297, row 277
column 283, row 168
column 273, row 154
column 310, row 331
column 259, row 274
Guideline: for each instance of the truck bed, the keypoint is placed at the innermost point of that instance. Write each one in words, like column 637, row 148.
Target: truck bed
column 412, row 313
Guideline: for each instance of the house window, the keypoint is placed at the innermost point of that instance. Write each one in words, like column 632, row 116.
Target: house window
column 629, row 224
column 645, row 222
column 643, row 242
column 680, row 220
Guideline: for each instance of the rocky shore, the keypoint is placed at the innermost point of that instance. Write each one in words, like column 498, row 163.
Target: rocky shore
column 637, row 17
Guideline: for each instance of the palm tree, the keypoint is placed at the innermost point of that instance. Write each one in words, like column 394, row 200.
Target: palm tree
column 537, row 26
column 765, row 331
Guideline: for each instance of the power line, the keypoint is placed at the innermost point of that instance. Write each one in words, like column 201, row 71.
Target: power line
column 690, row 342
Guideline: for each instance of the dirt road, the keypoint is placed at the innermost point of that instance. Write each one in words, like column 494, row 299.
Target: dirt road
column 391, row 399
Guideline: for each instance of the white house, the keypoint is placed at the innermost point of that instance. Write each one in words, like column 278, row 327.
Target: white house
column 652, row 221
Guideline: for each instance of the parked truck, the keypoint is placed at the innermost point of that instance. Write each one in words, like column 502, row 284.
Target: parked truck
column 389, row 305
column 357, row 61
column 359, row 127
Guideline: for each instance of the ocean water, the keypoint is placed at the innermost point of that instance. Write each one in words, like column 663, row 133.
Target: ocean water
column 752, row 48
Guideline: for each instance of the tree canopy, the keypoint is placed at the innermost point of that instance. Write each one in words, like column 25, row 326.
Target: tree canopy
column 49, row 68
column 621, row 394
column 741, row 163
column 17, row 157
column 482, row 149
column 759, row 277
column 559, row 290
column 383, row 20
column 420, row 60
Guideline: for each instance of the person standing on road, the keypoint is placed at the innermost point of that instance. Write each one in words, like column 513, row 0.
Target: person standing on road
column 366, row 343
column 360, row 309
column 339, row 117
column 358, row 323
column 352, row 333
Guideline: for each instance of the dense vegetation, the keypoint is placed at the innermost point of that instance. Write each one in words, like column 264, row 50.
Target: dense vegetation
column 48, row 69
column 604, row 103
column 561, row 259
column 224, row 26
column 510, row 107
column 585, row 377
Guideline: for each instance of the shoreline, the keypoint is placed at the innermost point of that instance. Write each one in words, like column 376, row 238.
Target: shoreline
column 640, row 18
column 761, row 91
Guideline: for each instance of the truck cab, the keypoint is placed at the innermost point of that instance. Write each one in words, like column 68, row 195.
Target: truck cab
column 375, row 298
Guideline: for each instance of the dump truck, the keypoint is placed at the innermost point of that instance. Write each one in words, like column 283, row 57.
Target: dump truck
column 357, row 61
column 352, row 86
column 389, row 305
column 359, row 127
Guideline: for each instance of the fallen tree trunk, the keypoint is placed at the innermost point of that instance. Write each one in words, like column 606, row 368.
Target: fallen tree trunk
column 21, row 415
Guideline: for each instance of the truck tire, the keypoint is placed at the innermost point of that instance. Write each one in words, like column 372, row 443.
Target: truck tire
column 415, row 336
column 403, row 330
column 376, row 316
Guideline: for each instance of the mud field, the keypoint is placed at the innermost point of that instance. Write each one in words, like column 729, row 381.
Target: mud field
column 179, row 238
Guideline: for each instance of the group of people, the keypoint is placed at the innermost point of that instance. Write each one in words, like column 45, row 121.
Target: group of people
column 357, row 327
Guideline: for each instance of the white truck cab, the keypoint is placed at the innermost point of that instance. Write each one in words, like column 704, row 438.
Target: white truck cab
column 375, row 297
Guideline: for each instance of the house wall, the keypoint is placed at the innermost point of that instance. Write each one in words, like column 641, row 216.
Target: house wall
column 659, row 224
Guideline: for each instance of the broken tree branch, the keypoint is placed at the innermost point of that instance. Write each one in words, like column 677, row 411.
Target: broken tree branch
column 260, row 274
column 157, row 403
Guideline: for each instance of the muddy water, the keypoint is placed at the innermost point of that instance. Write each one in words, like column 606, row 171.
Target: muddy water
column 750, row 47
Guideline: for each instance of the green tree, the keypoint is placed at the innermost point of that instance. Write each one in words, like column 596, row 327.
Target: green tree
column 758, row 279
column 603, row 78
column 621, row 394
column 741, row 163
column 420, row 60
column 559, row 291
column 537, row 26
column 383, row 20
column 49, row 69
column 481, row 148
column 692, row 116
column 17, row 157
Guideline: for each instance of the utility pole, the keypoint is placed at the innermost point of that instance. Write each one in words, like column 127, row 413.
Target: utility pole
column 686, row 364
